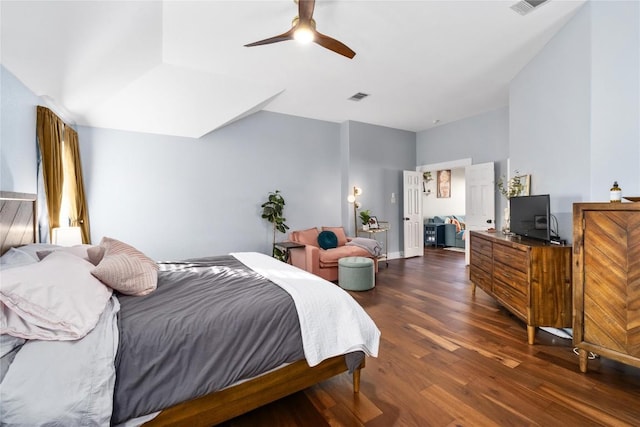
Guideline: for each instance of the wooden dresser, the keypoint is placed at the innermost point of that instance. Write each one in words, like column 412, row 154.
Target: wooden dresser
column 530, row 278
column 606, row 281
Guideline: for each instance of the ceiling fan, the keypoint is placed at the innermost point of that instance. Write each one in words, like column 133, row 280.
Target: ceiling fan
column 303, row 28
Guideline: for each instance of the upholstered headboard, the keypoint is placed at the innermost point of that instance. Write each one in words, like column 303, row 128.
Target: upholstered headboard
column 17, row 219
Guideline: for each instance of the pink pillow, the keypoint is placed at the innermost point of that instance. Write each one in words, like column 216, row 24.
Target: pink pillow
column 109, row 246
column 340, row 234
column 307, row 237
column 125, row 268
column 127, row 274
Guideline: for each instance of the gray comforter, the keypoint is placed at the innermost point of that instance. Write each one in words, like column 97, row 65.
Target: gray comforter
column 209, row 324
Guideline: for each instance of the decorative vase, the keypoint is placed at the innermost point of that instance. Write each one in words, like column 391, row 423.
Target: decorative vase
column 365, row 227
column 506, row 227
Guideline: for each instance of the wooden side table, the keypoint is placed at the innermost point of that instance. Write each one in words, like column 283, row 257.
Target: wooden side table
column 286, row 248
column 372, row 234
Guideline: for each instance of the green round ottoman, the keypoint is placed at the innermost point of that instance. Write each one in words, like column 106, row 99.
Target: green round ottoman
column 356, row 273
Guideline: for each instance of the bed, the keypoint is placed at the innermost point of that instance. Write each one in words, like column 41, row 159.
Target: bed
column 266, row 382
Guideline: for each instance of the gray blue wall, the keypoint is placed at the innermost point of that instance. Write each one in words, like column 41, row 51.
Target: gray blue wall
column 377, row 156
column 18, row 170
column 573, row 117
column 575, row 110
column 483, row 138
column 176, row 197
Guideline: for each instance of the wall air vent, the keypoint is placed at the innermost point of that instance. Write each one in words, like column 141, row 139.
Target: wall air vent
column 527, row 6
column 358, row 96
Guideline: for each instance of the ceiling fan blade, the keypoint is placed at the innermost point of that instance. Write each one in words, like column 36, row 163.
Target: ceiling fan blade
column 305, row 9
column 281, row 38
column 334, row 45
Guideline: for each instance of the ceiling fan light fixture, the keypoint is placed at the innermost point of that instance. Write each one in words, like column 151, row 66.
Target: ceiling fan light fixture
column 304, row 32
column 303, row 29
column 303, row 35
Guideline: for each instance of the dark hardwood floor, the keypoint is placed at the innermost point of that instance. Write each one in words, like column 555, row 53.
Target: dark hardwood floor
column 448, row 358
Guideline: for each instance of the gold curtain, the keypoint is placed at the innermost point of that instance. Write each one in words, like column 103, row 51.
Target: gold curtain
column 74, row 184
column 50, row 133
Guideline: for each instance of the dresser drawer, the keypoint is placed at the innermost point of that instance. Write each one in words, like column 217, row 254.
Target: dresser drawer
column 516, row 258
column 481, row 278
column 514, row 300
column 515, row 279
column 481, row 261
column 481, row 245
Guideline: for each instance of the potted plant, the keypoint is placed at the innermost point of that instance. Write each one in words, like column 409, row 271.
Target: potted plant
column 272, row 211
column 365, row 216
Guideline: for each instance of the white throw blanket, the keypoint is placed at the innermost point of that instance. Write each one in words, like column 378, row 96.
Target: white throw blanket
column 372, row 245
column 331, row 321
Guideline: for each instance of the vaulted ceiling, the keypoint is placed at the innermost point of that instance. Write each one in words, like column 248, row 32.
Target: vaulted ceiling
column 181, row 68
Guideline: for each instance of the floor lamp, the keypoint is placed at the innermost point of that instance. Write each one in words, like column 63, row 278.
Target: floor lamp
column 357, row 191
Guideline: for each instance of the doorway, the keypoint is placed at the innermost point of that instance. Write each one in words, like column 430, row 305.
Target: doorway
column 434, row 202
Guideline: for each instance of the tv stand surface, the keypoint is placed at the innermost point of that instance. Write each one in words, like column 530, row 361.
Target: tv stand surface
column 530, row 278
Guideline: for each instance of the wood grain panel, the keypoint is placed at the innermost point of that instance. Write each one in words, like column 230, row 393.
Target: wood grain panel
column 17, row 219
column 633, row 287
column 605, row 280
column 606, row 277
column 551, row 305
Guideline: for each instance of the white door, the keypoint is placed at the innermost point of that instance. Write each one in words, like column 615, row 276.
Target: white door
column 480, row 199
column 412, row 214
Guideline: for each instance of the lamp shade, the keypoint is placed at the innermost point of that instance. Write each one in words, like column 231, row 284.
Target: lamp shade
column 66, row 236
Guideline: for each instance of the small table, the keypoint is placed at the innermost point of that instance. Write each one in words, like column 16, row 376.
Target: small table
column 434, row 234
column 286, row 248
column 372, row 233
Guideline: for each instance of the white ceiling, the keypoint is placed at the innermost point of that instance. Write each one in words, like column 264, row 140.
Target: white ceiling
column 180, row 67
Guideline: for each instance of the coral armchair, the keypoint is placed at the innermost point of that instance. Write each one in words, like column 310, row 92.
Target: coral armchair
column 323, row 262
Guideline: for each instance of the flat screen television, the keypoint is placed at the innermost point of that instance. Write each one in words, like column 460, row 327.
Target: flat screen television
column 530, row 216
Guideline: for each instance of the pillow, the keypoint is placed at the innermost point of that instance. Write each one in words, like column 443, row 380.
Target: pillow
column 127, row 274
column 340, row 234
column 457, row 224
column 54, row 299
column 15, row 258
column 96, row 254
column 109, row 246
column 307, row 237
column 327, row 240
column 32, row 248
column 77, row 250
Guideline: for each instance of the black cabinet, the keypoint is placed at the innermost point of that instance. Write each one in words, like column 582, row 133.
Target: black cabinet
column 434, row 234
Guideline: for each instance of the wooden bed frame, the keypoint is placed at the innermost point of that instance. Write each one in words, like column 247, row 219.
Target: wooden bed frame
column 18, row 227
column 226, row 404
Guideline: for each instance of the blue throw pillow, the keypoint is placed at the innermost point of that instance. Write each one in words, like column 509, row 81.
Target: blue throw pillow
column 327, row 240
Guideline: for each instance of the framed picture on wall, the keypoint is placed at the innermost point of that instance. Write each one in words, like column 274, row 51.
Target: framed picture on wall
column 444, row 183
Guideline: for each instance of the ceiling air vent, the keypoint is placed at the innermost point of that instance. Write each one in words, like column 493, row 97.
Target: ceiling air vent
column 526, row 6
column 358, row 96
